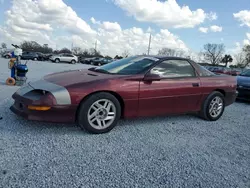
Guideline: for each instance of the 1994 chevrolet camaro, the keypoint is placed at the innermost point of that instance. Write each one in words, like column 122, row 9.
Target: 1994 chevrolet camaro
column 137, row 86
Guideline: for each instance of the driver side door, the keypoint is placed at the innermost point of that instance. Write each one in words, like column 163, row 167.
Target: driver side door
column 177, row 91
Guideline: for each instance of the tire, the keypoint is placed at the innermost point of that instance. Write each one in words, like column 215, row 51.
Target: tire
column 205, row 110
column 73, row 61
column 10, row 81
column 86, row 110
column 35, row 59
column 99, row 64
column 57, row 60
column 7, row 57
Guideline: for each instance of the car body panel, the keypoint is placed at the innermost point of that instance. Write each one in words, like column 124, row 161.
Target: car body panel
column 137, row 97
column 169, row 96
column 243, row 87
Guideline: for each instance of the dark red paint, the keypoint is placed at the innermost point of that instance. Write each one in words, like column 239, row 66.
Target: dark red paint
column 137, row 96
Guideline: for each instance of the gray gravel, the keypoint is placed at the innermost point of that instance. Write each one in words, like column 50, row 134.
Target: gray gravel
column 178, row 151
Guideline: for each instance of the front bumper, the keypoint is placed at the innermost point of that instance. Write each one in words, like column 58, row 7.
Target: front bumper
column 57, row 97
column 57, row 114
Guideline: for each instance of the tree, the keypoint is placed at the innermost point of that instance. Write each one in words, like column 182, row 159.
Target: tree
column 240, row 59
column 118, row 57
column 35, row 47
column 108, row 57
column 213, row 53
column 94, row 53
column 171, row 52
column 76, row 50
column 125, row 54
column 227, row 59
column 65, row 50
column 246, row 51
column 4, row 45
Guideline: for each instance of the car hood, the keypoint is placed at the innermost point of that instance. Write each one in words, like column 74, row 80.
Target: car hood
column 73, row 77
column 243, row 80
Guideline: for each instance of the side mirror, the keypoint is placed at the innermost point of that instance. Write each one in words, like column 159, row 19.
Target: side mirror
column 152, row 77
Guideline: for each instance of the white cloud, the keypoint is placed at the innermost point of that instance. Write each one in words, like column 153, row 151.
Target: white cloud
column 212, row 16
column 215, row 28
column 94, row 21
column 243, row 17
column 166, row 14
column 248, row 35
column 54, row 23
column 203, row 29
column 246, row 42
column 109, row 26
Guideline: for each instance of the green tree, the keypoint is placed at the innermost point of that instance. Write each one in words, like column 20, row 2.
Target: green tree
column 227, row 59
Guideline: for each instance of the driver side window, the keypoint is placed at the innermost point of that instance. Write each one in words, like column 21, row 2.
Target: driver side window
column 174, row 69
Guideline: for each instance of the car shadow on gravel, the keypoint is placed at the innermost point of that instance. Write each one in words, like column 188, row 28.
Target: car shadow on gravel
column 22, row 125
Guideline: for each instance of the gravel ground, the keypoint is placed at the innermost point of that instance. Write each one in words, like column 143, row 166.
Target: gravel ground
column 177, row 151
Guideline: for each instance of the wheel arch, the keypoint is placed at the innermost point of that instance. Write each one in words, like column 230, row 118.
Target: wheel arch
column 115, row 94
column 221, row 91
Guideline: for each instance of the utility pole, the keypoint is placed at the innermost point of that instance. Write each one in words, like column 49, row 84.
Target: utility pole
column 149, row 43
column 95, row 45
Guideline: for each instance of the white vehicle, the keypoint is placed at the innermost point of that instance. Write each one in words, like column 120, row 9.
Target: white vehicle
column 65, row 57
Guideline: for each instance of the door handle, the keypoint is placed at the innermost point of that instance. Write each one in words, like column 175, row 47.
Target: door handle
column 195, row 84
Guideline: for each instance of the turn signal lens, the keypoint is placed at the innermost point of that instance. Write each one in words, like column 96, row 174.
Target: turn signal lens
column 39, row 108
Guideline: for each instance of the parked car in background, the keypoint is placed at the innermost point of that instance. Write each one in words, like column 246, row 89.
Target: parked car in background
column 41, row 56
column 137, row 86
column 7, row 54
column 29, row 56
column 105, row 61
column 65, row 57
column 236, row 71
column 243, row 85
column 96, row 60
column 219, row 70
column 101, row 62
column 85, row 60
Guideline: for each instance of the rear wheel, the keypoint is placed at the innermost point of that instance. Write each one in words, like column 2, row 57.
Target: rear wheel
column 99, row 113
column 213, row 107
column 35, row 59
column 73, row 61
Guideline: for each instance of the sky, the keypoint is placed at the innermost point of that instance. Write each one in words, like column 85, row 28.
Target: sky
column 125, row 25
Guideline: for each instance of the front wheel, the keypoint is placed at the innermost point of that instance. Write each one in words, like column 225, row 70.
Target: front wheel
column 213, row 107
column 73, row 61
column 57, row 60
column 35, row 59
column 99, row 113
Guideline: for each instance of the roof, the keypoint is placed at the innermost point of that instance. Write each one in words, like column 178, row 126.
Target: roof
column 165, row 57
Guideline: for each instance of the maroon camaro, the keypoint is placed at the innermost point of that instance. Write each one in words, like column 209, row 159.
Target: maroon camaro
column 136, row 86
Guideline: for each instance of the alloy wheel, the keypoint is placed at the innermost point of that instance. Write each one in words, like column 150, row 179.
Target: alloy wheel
column 216, row 106
column 101, row 114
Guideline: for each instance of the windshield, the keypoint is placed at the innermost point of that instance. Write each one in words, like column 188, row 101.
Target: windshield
column 245, row 73
column 128, row 66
